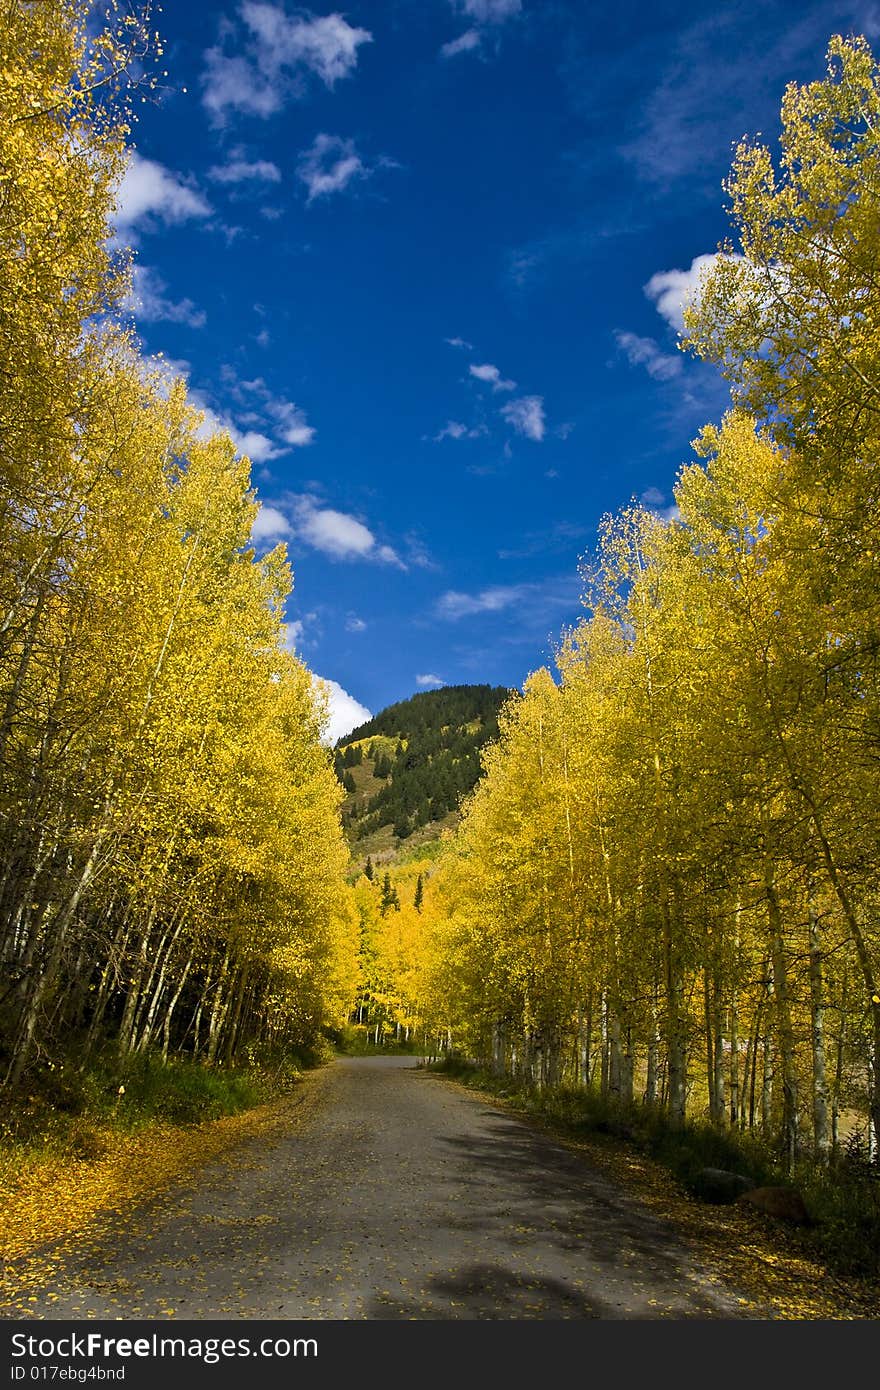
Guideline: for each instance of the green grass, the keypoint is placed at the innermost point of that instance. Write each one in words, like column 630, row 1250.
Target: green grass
column 843, row 1200
column 69, row 1110
column 430, row 849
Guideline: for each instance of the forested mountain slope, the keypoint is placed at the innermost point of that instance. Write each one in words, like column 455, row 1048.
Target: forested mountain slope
column 405, row 771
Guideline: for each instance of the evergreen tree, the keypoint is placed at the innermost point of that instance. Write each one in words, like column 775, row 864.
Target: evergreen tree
column 390, row 897
column 425, row 754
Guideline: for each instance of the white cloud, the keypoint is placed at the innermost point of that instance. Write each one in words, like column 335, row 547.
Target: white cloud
column 168, row 369
column 454, row 429
column 243, row 170
column 330, row 165
column 148, row 302
column 326, row 44
column 292, row 634
column 465, row 43
column 539, row 606
column 276, row 58
column 290, row 422
column 212, row 420
column 485, row 371
column 355, row 624
column 335, row 533
column 489, row 11
column 417, row 553
column 485, row 14
column 237, row 84
column 683, row 126
column 149, row 192
column 264, row 426
column 429, row 681
column 340, row 535
column 671, row 291
column 655, row 501
column 344, row 711
column 271, row 525
column 652, row 497
column 644, row 352
column 459, row 343
column 455, row 605
column 526, row 416
column 258, row 447
column 253, row 444
column 525, row 264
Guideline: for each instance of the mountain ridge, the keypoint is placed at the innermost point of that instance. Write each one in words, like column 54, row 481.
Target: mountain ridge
column 406, row 769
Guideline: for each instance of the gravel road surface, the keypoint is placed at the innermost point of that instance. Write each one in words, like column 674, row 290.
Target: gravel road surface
column 392, row 1193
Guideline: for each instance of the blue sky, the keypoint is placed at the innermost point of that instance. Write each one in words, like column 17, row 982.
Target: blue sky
column 425, row 259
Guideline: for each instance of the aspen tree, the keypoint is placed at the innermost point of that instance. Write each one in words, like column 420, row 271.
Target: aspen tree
column 794, row 325
column 172, row 865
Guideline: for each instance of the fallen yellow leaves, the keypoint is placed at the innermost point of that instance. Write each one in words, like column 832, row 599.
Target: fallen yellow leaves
column 51, row 1205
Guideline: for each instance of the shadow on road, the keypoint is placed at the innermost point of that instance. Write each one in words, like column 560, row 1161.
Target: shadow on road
column 489, row 1291
column 533, row 1196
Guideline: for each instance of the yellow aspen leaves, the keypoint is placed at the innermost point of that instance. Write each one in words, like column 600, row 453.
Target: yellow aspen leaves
column 173, row 868
column 665, row 883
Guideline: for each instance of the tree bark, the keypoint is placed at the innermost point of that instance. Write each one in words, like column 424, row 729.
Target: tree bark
column 817, row 1032
column 790, row 1111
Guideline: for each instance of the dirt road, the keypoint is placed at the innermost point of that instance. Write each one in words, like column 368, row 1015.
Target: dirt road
column 391, row 1194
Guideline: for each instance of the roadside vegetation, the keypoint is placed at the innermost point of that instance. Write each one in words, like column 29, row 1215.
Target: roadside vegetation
column 172, row 865
column 660, row 909
column 843, row 1206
